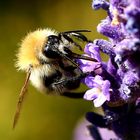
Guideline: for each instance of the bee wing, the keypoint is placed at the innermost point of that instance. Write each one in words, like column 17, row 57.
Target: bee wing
column 21, row 98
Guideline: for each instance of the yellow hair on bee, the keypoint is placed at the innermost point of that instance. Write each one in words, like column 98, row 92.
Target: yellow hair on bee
column 31, row 48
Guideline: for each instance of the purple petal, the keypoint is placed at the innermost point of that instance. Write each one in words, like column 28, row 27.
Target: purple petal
column 91, row 94
column 105, row 89
column 93, row 50
column 134, row 3
column 97, row 4
column 100, row 100
column 111, row 68
column 89, row 81
column 98, row 79
column 131, row 79
column 105, row 46
column 113, row 32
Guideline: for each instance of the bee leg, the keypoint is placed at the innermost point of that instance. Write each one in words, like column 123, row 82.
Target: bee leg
column 75, row 95
column 70, row 84
column 74, row 79
column 71, row 80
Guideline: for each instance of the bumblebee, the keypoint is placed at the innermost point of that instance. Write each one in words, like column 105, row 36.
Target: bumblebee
column 50, row 63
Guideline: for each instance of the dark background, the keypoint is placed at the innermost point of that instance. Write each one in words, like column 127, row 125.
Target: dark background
column 43, row 117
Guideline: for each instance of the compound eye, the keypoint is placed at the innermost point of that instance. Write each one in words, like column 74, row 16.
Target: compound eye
column 51, row 48
column 52, row 39
column 50, row 52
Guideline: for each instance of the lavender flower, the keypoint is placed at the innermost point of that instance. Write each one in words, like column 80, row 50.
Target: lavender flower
column 132, row 13
column 115, row 84
column 88, row 66
column 109, row 30
column 122, row 68
column 99, row 92
column 97, row 4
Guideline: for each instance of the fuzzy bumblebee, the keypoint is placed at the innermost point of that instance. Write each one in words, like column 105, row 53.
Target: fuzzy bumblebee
column 51, row 65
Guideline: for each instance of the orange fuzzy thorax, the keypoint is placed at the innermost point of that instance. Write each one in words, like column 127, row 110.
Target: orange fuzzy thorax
column 31, row 48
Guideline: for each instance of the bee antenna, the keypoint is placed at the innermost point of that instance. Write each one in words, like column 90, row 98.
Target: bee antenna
column 78, row 56
column 21, row 98
column 76, row 31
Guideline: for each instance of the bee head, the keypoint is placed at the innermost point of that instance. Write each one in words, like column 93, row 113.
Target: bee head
column 30, row 50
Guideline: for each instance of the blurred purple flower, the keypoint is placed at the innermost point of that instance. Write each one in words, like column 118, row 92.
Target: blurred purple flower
column 84, row 131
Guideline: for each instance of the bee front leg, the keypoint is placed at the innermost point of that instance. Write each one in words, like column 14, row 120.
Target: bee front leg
column 71, row 83
column 69, row 80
